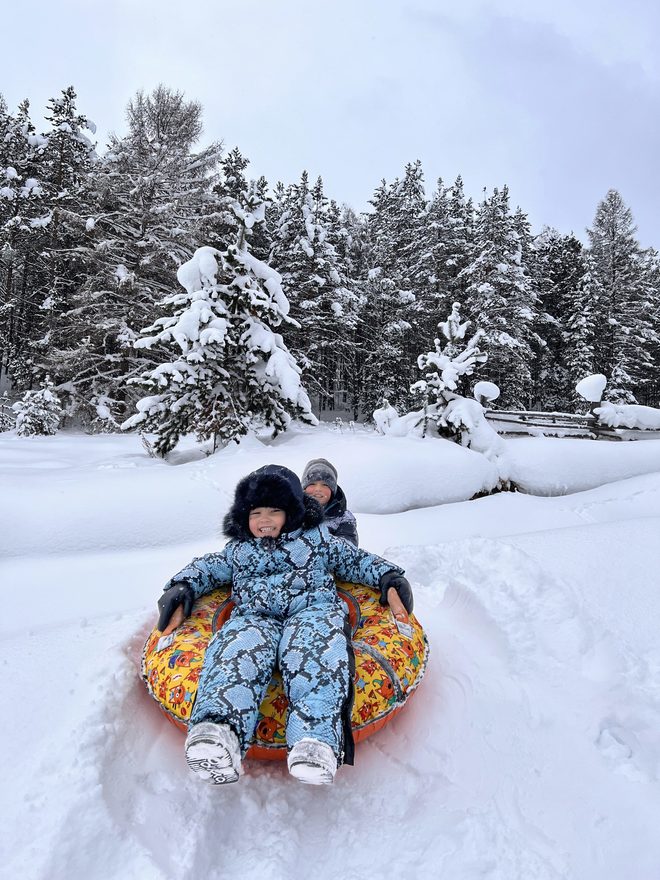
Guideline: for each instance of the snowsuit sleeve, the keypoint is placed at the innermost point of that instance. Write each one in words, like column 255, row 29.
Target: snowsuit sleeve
column 346, row 528
column 353, row 564
column 206, row 573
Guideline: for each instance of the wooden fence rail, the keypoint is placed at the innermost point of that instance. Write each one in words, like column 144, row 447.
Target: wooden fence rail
column 558, row 424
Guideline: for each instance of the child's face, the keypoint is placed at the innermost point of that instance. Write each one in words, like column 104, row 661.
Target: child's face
column 266, row 522
column 320, row 491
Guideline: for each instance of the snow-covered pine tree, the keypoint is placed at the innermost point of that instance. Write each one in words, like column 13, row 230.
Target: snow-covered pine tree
column 321, row 301
column 39, row 412
column 649, row 392
column 218, row 225
column 445, row 250
column 580, row 327
column 557, row 265
column 500, row 298
column 7, row 416
column 233, row 373
column 448, row 369
column 23, row 268
column 625, row 347
column 151, row 192
column 435, row 273
column 396, row 275
column 347, row 234
column 67, row 163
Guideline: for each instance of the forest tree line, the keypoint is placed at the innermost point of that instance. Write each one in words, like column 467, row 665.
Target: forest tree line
column 90, row 244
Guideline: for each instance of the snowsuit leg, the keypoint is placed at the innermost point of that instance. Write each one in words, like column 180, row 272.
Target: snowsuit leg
column 316, row 662
column 237, row 669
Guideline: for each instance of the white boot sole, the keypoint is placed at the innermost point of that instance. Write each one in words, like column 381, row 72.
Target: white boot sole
column 311, row 774
column 211, row 761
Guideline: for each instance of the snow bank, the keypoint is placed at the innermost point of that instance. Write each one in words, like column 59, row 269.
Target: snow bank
column 557, row 466
column 181, row 503
column 628, row 416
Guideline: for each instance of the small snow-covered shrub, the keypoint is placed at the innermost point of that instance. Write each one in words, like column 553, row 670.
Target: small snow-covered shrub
column 39, row 412
column 385, row 416
column 467, row 419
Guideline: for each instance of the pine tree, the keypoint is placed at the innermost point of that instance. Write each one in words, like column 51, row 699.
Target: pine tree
column 624, row 349
column 7, row 417
column 67, row 162
column 561, row 338
column 580, row 333
column 315, row 280
column 234, row 373
column 347, row 234
column 501, row 300
column 23, row 268
column 649, row 392
column 39, row 412
column 445, row 251
column 396, row 277
column 152, row 192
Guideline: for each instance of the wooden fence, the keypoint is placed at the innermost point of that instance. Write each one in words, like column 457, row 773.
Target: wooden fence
column 558, row 424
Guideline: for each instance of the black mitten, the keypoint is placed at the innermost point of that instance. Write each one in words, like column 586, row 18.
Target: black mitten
column 401, row 585
column 177, row 594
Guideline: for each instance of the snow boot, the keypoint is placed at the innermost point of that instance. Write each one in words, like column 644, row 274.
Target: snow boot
column 313, row 762
column 213, row 752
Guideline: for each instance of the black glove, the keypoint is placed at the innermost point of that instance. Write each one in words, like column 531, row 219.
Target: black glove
column 401, row 585
column 177, row 594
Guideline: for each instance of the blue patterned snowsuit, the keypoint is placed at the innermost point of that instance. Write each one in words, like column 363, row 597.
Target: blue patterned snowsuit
column 288, row 614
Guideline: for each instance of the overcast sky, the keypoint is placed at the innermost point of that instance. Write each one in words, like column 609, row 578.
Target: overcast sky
column 560, row 100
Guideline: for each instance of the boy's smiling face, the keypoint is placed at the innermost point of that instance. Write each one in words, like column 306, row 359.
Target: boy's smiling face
column 266, row 522
column 320, row 491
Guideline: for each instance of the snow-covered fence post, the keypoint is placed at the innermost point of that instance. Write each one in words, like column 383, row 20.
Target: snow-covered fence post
column 486, row 393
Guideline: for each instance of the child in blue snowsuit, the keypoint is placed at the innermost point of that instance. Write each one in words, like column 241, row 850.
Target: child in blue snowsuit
column 287, row 613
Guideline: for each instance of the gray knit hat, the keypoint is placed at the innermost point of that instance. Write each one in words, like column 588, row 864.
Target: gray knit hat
column 319, row 470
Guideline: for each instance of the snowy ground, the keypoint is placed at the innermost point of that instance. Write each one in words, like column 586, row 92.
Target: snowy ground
column 531, row 751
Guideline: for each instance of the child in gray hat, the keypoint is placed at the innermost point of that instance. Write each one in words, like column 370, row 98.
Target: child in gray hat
column 319, row 480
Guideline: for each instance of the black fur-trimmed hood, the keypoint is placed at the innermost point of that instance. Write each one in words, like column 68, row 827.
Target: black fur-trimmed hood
column 271, row 486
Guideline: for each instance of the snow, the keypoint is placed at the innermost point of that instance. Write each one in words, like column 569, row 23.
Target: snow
column 486, row 390
column 628, row 416
column 31, row 187
column 122, row 274
column 591, row 387
column 202, row 267
column 467, row 416
column 384, row 417
column 530, row 751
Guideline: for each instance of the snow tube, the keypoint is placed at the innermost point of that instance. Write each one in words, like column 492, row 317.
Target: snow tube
column 389, row 665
